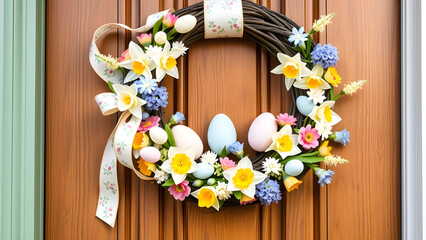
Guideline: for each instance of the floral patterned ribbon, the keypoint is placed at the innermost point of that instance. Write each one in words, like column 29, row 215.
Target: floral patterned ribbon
column 223, row 19
column 119, row 145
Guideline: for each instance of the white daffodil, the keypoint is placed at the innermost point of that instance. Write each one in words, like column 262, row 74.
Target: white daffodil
column 138, row 64
column 292, row 68
column 324, row 112
column 243, row 178
column 207, row 197
column 222, row 191
column 180, row 163
column 324, row 129
column 284, row 142
column 127, row 99
column 165, row 59
column 316, row 95
column 209, row 157
column 313, row 81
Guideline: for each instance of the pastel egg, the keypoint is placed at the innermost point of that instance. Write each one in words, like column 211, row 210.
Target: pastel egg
column 185, row 137
column 261, row 131
column 158, row 135
column 304, row 105
column 221, row 133
column 150, row 154
column 294, row 167
column 185, row 23
column 205, row 170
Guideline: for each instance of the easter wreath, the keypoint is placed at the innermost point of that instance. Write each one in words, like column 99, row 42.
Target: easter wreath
column 171, row 154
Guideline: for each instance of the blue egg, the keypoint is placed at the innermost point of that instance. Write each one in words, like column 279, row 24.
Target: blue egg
column 205, row 170
column 221, row 133
column 304, row 105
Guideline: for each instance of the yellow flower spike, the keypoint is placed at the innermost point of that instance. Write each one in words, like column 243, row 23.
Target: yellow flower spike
column 140, row 141
column 332, row 77
column 324, row 149
column 145, row 168
column 291, row 183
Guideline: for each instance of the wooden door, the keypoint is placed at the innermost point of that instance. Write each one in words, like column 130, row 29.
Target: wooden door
column 229, row 76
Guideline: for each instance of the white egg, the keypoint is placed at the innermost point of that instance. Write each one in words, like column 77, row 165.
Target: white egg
column 294, row 167
column 160, row 37
column 261, row 131
column 185, row 23
column 221, row 133
column 150, row 154
column 158, row 135
column 185, row 137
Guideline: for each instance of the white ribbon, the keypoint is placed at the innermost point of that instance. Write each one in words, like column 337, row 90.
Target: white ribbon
column 119, row 145
column 223, row 19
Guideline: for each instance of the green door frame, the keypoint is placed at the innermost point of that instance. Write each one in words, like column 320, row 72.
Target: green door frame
column 22, row 50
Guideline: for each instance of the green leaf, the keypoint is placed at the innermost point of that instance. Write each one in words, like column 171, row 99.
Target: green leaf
column 312, row 159
column 296, row 130
column 110, row 86
column 221, row 202
column 156, row 27
column 224, row 153
column 168, row 183
column 171, row 139
column 238, row 195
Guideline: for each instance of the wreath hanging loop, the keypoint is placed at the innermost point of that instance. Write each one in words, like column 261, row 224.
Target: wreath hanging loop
column 171, row 154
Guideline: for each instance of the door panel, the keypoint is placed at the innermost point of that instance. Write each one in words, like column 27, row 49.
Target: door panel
column 228, row 76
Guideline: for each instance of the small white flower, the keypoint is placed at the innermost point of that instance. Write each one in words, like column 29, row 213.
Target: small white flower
column 271, row 166
column 209, row 157
column 127, row 99
column 160, row 176
column 316, row 95
column 165, row 60
column 222, row 191
column 324, row 129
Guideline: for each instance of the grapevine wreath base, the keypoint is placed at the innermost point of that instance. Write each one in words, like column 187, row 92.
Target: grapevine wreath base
column 171, row 154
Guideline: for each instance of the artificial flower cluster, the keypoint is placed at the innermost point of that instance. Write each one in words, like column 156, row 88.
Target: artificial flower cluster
column 215, row 177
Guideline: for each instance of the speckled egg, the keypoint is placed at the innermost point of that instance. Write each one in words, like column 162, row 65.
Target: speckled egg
column 221, row 133
column 261, row 131
column 185, row 137
column 150, row 154
column 294, row 167
column 205, row 170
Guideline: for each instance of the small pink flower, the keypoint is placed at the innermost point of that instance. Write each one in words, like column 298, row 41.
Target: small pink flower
column 110, row 209
column 109, row 168
column 169, row 20
column 180, row 191
column 149, row 123
column 145, row 39
column 283, row 119
column 236, row 26
column 110, row 214
column 110, row 71
column 214, row 30
column 308, row 137
column 124, row 56
column 214, row 25
column 227, row 163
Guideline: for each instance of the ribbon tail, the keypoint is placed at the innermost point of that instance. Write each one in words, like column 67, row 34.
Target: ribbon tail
column 108, row 185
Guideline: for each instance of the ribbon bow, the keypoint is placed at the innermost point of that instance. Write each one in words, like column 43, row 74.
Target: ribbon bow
column 119, row 145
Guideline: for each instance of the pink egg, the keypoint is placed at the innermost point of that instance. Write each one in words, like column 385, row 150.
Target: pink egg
column 150, row 154
column 261, row 131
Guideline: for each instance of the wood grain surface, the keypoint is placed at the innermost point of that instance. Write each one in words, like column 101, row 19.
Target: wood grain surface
column 228, row 76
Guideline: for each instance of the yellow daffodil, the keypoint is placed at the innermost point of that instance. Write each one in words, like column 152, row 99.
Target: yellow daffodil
column 138, row 64
column 324, row 112
column 313, row 81
column 146, row 168
column 127, row 99
column 243, row 178
column 180, row 163
column 207, row 197
column 140, row 141
column 291, row 183
column 284, row 142
column 246, row 200
column 292, row 67
column 165, row 59
column 332, row 77
column 324, row 149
